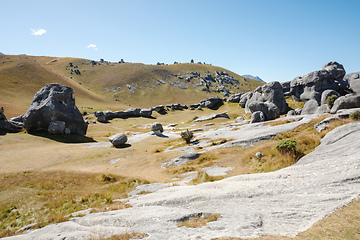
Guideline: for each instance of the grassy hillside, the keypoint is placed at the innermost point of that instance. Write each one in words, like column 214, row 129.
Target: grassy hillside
column 107, row 85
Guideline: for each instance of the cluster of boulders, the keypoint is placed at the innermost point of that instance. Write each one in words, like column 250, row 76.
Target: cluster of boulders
column 267, row 102
column 52, row 109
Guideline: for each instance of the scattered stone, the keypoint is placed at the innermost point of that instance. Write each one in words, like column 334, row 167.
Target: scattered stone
column 54, row 102
column 211, row 103
column 185, row 158
column 206, row 118
column 235, row 98
column 118, row 140
column 291, row 113
column 239, row 119
column 259, row 155
column 156, row 127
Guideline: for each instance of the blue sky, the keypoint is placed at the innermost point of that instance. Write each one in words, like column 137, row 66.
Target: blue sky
column 274, row 39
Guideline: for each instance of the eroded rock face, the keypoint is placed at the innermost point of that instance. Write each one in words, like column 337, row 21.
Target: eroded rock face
column 270, row 110
column 312, row 85
column 271, row 93
column 354, row 82
column 346, row 102
column 54, row 102
column 9, row 125
column 235, row 98
column 310, row 107
column 211, row 103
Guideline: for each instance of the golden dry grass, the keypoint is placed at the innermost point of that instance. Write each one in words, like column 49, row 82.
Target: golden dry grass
column 125, row 236
column 199, row 221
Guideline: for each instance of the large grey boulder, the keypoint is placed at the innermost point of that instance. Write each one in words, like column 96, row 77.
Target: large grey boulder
column 133, row 112
column 54, row 102
column 235, row 98
column 211, row 103
column 310, row 107
column 156, row 127
column 346, row 102
column 118, row 140
column 271, row 93
column 104, row 116
column 146, row 112
column 354, row 82
column 257, row 116
column 311, row 85
column 270, row 110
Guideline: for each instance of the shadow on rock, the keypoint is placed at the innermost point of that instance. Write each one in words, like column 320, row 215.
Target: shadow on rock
column 69, row 138
column 126, row 145
column 159, row 134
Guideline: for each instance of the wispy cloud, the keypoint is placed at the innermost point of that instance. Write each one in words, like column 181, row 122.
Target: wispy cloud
column 92, row 46
column 38, row 32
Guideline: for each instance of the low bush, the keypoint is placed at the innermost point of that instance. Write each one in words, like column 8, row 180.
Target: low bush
column 330, row 100
column 287, row 145
column 187, row 136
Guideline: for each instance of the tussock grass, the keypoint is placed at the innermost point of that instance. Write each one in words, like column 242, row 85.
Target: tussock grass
column 125, row 236
column 49, row 197
column 204, row 177
column 199, row 221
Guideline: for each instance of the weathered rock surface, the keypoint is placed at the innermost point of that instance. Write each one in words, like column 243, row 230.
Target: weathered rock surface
column 310, row 107
column 346, row 102
column 270, row 110
column 156, row 127
column 311, row 85
column 118, row 140
column 213, row 116
column 271, row 93
column 235, row 98
column 54, row 102
column 354, row 81
column 257, row 116
column 321, row 182
column 56, row 127
column 9, row 125
column 211, row 103
column 185, row 158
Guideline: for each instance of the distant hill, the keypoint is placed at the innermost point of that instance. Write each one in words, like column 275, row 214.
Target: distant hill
column 1, row 53
column 253, row 77
column 101, row 85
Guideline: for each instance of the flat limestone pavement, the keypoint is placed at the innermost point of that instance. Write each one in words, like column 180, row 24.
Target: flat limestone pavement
column 284, row 202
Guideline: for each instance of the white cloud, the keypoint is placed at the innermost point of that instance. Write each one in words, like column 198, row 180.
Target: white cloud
column 38, row 32
column 92, row 46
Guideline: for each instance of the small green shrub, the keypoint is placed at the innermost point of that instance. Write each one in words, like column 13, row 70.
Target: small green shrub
column 330, row 100
column 187, row 136
column 355, row 116
column 287, row 145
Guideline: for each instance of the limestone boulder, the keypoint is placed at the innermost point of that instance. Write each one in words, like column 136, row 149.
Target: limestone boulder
column 312, row 85
column 346, row 102
column 8, row 125
column 271, row 93
column 118, row 140
column 54, row 102
column 211, row 103
column 354, row 82
column 156, row 127
column 310, row 107
column 257, row 116
column 244, row 98
column 146, row 112
column 235, row 98
column 270, row 110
